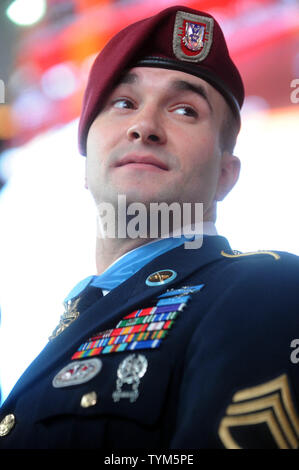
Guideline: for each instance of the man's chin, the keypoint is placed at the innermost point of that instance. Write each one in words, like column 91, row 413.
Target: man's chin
column 132, row 196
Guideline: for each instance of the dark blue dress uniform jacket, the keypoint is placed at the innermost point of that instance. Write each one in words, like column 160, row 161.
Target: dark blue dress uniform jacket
column 224, row 376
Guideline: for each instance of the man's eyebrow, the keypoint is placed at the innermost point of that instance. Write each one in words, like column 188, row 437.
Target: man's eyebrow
column 182, row 85
column 128, row 78
column 177, row 85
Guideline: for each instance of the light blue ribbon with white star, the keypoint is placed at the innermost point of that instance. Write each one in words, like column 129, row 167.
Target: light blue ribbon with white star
column 128, row 265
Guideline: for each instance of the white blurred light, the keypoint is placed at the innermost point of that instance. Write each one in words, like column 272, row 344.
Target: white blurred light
column 26, row 12
column 31, row 109
column 48, row 222
column 59, row 81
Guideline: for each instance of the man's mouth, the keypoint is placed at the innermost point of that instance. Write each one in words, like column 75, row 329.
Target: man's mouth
column 142, row 162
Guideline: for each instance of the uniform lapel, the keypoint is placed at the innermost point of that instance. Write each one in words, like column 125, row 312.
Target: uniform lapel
column 108, row 310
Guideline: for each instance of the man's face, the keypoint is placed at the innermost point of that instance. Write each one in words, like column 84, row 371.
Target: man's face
column 157, row 140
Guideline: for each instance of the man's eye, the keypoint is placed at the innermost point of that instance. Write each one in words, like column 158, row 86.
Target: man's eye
column 123, row 103
column 186, row 111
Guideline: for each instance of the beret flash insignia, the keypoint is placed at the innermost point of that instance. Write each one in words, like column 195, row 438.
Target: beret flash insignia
column 192, row 36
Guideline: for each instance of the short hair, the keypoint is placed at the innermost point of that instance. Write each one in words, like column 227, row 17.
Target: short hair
column 229, row 131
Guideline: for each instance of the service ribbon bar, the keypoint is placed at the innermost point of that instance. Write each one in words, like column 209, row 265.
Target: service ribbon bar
column 141, row 329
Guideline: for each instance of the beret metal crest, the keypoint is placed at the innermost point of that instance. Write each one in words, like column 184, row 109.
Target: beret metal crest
column 192, row 36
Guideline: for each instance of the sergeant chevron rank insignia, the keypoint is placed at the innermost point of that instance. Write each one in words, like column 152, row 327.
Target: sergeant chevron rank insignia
column 145, row 328
column 262, row 410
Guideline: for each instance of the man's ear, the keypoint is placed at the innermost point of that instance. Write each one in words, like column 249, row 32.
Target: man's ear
column 229, row 174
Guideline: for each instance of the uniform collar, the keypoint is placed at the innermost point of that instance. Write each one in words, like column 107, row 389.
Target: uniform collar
column 132, row 261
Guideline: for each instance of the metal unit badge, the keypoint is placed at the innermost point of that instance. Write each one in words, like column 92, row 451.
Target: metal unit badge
column 192, row 36
column 77, row 372
column 69, row 315
column 129, row 373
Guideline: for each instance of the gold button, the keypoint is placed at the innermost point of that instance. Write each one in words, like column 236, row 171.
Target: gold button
column 7, row 424
column 89, row 399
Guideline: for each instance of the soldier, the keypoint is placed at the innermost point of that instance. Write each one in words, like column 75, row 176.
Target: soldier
column 166, row 347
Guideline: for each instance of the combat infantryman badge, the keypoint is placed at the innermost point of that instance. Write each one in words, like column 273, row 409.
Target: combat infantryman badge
column 192, row 36
column 129, row 372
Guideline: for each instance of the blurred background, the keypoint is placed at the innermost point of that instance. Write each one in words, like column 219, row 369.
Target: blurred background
column 47, row 231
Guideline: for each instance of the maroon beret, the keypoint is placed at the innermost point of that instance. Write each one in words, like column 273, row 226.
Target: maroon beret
column 177, row 38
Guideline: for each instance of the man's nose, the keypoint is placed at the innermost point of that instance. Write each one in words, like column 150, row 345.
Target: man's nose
column 147, row 128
